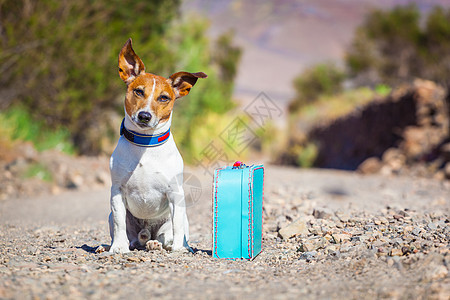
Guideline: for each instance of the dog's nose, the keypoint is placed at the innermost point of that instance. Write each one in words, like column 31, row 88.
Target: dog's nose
column 144, row 117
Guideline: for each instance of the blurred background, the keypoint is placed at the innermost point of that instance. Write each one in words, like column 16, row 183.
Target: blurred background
column 344, row 84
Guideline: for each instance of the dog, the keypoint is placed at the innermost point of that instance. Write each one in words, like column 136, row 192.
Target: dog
column 147, row 198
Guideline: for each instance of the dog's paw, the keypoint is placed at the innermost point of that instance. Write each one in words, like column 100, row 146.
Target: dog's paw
column 119, row 248
column 153, row 245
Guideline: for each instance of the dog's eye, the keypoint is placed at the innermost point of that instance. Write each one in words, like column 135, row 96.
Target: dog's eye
column 163, row 98
column 139, row 92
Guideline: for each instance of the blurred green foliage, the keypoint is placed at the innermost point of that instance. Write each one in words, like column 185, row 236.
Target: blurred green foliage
column 395, row 46
column 211, row 97
column 318, row 80
column 329, row 108
column 58, row 59
column 307, row 155
column 17, row 124
column 383, row 90
column 37, row 170
column 391, row 47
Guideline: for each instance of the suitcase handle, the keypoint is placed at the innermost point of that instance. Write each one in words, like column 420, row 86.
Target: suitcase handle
column 239, row 165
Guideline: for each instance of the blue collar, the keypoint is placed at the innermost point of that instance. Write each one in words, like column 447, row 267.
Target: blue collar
column 144, row 140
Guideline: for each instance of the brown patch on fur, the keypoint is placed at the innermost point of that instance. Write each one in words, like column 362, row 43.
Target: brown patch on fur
column 135, row 103
column 162, row 110
column 130, row 65
column 182, row 82
column 132, row 72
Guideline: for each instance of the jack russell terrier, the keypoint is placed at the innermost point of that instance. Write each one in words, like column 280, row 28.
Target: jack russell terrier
column 147, row 198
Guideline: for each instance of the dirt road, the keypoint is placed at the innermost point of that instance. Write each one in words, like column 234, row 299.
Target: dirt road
column 357, row 238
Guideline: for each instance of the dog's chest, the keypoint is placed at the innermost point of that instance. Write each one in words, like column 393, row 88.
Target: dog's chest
column 146, row 178
column 146, row 192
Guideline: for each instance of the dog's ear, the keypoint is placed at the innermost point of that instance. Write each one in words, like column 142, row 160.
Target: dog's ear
column 182, row 82
column 130, row 65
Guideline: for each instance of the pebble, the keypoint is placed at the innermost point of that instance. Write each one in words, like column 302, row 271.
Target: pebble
column 416, row 231
column 432, row 226
column 396, row 252
column 134, row 259
column 309, row 256
column 339, row 238
column 313, row 244
column 298, row 227
column 323, row 213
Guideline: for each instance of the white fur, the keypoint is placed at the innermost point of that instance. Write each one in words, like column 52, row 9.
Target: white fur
column 147, row 181
column 150, row 98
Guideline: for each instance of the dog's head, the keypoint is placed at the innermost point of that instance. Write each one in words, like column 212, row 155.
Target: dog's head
column 150, row 98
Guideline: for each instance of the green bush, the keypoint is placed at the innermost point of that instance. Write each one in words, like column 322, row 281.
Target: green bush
column 307, row 155
column 392, row 47
column 61, row 57
column 17, row 124
column 321, row 79
column 58, row 59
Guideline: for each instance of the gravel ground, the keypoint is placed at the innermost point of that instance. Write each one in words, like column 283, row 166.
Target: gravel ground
column 327, row 234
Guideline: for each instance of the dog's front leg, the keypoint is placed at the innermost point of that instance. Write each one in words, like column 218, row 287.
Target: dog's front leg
column 178, row 210
column 119, row 243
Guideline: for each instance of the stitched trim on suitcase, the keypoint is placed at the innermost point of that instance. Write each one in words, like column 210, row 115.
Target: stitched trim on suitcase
column 250, row 214
column 251, row 197
column 262, row 208
column 216, row 180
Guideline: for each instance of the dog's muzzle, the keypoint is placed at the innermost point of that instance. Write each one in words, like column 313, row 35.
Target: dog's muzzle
column 144, row 117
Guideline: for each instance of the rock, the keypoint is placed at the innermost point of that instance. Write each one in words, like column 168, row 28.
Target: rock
column 134, row 259
column 341, row 237
column 439, row 175
column 390, row 262
column 447, row 170
column 416, row 231
column 435, row 272
column 316, row 230
column 445, row 151
column 371, row 165
column 346, row 247
column 328, row 237
column 396, row 252
column 330, row 249
column 28, row 151
column 298, row 227
column 103, row 178
column 313, row 244
column 18, row 166
column 431, row 226
column 384, row 220
column 322, row 213
column 308, row 256
column 63, row 258
column 394, row 159
column 403, row 213
column 75, row 181
column 343, row 217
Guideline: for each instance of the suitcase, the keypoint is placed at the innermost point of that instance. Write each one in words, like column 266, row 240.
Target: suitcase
column 237, row 211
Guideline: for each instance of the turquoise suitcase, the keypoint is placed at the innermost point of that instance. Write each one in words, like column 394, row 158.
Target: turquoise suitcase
column 237, row 211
